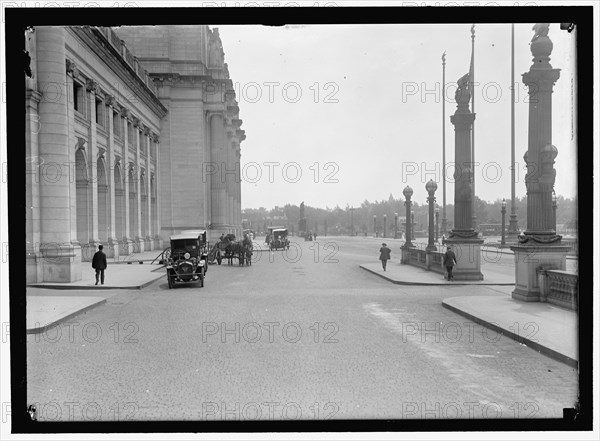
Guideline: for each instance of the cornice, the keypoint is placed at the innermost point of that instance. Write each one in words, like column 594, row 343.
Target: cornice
column 98, row 44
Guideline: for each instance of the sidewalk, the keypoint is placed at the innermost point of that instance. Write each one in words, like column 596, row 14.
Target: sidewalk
column 412, row 275
column 543, row 327
column 116, row 276
column 45, row 309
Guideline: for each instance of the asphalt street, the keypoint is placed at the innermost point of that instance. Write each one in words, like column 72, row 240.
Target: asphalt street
column 299, row 334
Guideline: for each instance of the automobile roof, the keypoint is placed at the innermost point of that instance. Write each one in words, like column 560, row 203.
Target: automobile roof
column 279, row 229
column 196, row 232
column 184, row 236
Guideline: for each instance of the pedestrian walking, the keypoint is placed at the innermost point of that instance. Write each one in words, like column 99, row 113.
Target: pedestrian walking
column 449, row 262
column 384, row 255
column 99, row 264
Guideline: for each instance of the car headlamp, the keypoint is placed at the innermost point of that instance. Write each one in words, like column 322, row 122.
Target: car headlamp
column 186, row 255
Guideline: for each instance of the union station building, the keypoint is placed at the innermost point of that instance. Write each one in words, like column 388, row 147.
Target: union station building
column 132, row 135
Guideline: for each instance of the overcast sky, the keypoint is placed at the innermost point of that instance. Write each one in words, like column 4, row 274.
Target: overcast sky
column 350, row 102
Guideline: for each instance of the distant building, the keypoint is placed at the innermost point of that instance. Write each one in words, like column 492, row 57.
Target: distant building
column 132, row 134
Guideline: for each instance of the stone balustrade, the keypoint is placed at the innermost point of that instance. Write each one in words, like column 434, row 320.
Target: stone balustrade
column 559, row 288
column 431, row 261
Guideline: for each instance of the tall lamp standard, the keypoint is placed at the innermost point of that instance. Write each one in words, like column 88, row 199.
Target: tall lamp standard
column 412, row 224
column 408, row 192
column 431, row 187
column 375, row 224
column 503, row 240
column 437, row 225
column 395, row 225
column 554, row 206
column 384, row 224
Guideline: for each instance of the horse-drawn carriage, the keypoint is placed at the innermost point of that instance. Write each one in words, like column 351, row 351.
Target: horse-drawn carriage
column 186, row 259
column 278, row 238
column 228, row 248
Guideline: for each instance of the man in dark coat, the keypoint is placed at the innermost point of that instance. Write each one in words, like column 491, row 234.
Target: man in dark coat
column 99, row 264
column 449, row 262
column 384, row 255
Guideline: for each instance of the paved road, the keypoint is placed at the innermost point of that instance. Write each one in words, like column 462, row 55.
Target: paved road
column 305, row 335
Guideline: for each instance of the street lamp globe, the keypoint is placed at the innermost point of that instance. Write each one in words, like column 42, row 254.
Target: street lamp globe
column 431, row 186
column 503, row 203
column 408, row 192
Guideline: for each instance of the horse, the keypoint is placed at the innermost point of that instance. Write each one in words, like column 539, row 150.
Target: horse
column 233, row 250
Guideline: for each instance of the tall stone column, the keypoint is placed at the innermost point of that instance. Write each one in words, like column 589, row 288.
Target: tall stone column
column 127, row 243
column 158, row 243
column 463, row 237
column 61, row 259
column 218, row 192
column 539, row 248
column 148, row 208
column 113, row 242
column 92, row 88
column 137, row 172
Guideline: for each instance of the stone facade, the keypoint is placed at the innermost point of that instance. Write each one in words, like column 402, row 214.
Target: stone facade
column 118, row 157
column 201, row 134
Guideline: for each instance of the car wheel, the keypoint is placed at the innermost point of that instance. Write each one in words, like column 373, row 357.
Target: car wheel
column 171, row 281
column 202, row 280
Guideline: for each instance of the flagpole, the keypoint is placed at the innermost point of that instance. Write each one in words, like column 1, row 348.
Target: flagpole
column 474, row 217
column 512, row 224
column 444, row 220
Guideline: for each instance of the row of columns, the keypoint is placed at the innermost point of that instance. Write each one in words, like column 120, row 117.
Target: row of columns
column 225, row 183
column 79, row 193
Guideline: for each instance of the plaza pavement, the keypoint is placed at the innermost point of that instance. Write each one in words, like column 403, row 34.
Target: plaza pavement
column 544, row 327
column 541, row 326
column 49, row 304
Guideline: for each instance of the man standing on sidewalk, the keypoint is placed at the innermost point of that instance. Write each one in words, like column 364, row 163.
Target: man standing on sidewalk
column 385, row 255
column 449, row 262
column 99, row 264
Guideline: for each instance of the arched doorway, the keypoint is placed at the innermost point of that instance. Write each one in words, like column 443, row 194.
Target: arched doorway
column 144, row 202
column 103, row 202
column 153, row 208
column 82, row 202
column 133, row 205
column 119, row 203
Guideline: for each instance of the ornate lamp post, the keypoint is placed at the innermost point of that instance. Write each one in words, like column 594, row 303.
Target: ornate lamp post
column 384, row 225
column 412, row 224
column 554, row 206
column 437, row 219
column 375, row 224
column 431, row 187
column 503, row 240
column 408, row 192
column 395, row 225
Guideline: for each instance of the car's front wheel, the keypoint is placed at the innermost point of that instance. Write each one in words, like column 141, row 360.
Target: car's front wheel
column 171, row 281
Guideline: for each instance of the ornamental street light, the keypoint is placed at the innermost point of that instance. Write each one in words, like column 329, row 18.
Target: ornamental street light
column 554, row 206
column 408, row 192
column 384, row 225
column 437, row 219
column 503, row 210
column 431, row 187
column 395, row 225
column 412, row 224
column 375, row 224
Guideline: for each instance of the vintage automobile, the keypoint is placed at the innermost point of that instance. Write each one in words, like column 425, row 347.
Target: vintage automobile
column 187, row 259
column 279, row 239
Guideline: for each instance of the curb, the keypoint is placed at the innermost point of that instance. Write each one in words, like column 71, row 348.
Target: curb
column 530, row 343
column 96, row 287
column 65, row 318
column 400, row 282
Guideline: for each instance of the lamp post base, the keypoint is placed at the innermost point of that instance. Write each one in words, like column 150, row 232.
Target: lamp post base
column 468, row 257
column 530, row 259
